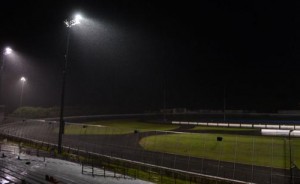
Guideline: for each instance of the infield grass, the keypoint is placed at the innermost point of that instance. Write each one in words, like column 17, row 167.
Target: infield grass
column 115, row 127
column 256, row 150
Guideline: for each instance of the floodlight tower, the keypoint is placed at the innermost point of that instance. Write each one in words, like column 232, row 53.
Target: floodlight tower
column 7, row 51
column 69, row 24
column 23, row 80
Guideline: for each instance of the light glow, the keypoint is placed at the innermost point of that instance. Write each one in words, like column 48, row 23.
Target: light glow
column 7, row 51
column 23, row 79
column 78, row 17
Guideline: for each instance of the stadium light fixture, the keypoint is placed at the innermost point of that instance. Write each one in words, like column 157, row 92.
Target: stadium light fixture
column 76, row 20
column 7, row 51
column 23, row 79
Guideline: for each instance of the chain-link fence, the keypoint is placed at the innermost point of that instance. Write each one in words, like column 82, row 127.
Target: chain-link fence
column 248, row 158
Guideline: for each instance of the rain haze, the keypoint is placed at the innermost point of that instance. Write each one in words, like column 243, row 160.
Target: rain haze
column 134, row 56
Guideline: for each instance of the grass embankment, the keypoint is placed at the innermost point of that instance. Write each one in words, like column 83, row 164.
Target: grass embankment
column 35, row 112
column 115, row 127
column 256, row 150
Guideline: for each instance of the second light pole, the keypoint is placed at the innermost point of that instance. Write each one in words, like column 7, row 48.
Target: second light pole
column 69, row 24
column 23, row 80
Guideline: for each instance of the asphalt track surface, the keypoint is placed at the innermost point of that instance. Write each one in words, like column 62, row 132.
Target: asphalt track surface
column 127, row 147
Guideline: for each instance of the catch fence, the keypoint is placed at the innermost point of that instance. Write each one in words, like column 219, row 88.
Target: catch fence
column 191, row 156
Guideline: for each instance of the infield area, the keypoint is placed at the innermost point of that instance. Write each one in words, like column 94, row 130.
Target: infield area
column 238, row 145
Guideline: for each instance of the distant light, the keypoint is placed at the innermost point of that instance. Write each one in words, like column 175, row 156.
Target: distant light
column 7, row 51
column 23, row 79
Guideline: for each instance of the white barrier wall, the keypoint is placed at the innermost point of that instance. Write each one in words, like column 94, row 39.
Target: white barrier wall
column 246, row 125
column 275, row 132
column 273, row 126
column 278, row 132
column 291, row 127
column 223, row 124
column 260, row 126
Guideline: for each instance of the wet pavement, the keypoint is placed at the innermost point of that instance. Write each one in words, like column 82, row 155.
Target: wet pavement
column 22, row 168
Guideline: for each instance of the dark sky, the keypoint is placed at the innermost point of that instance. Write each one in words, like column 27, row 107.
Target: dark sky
column 126, row 53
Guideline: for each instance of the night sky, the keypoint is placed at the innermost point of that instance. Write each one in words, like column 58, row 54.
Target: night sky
column 125, row 54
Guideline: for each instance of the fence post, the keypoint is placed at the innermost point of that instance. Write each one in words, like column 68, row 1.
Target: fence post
column 189, row 153
column 252, row 170
column 204, row 142
column 92, row 168
column 220, row 156
column 291, row 161
column 272, row 161
column 104, row 171
column 235, row 150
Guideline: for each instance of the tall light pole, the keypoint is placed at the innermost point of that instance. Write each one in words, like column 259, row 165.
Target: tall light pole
column 23, row 80
column 6, row 51
column 69, row 24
